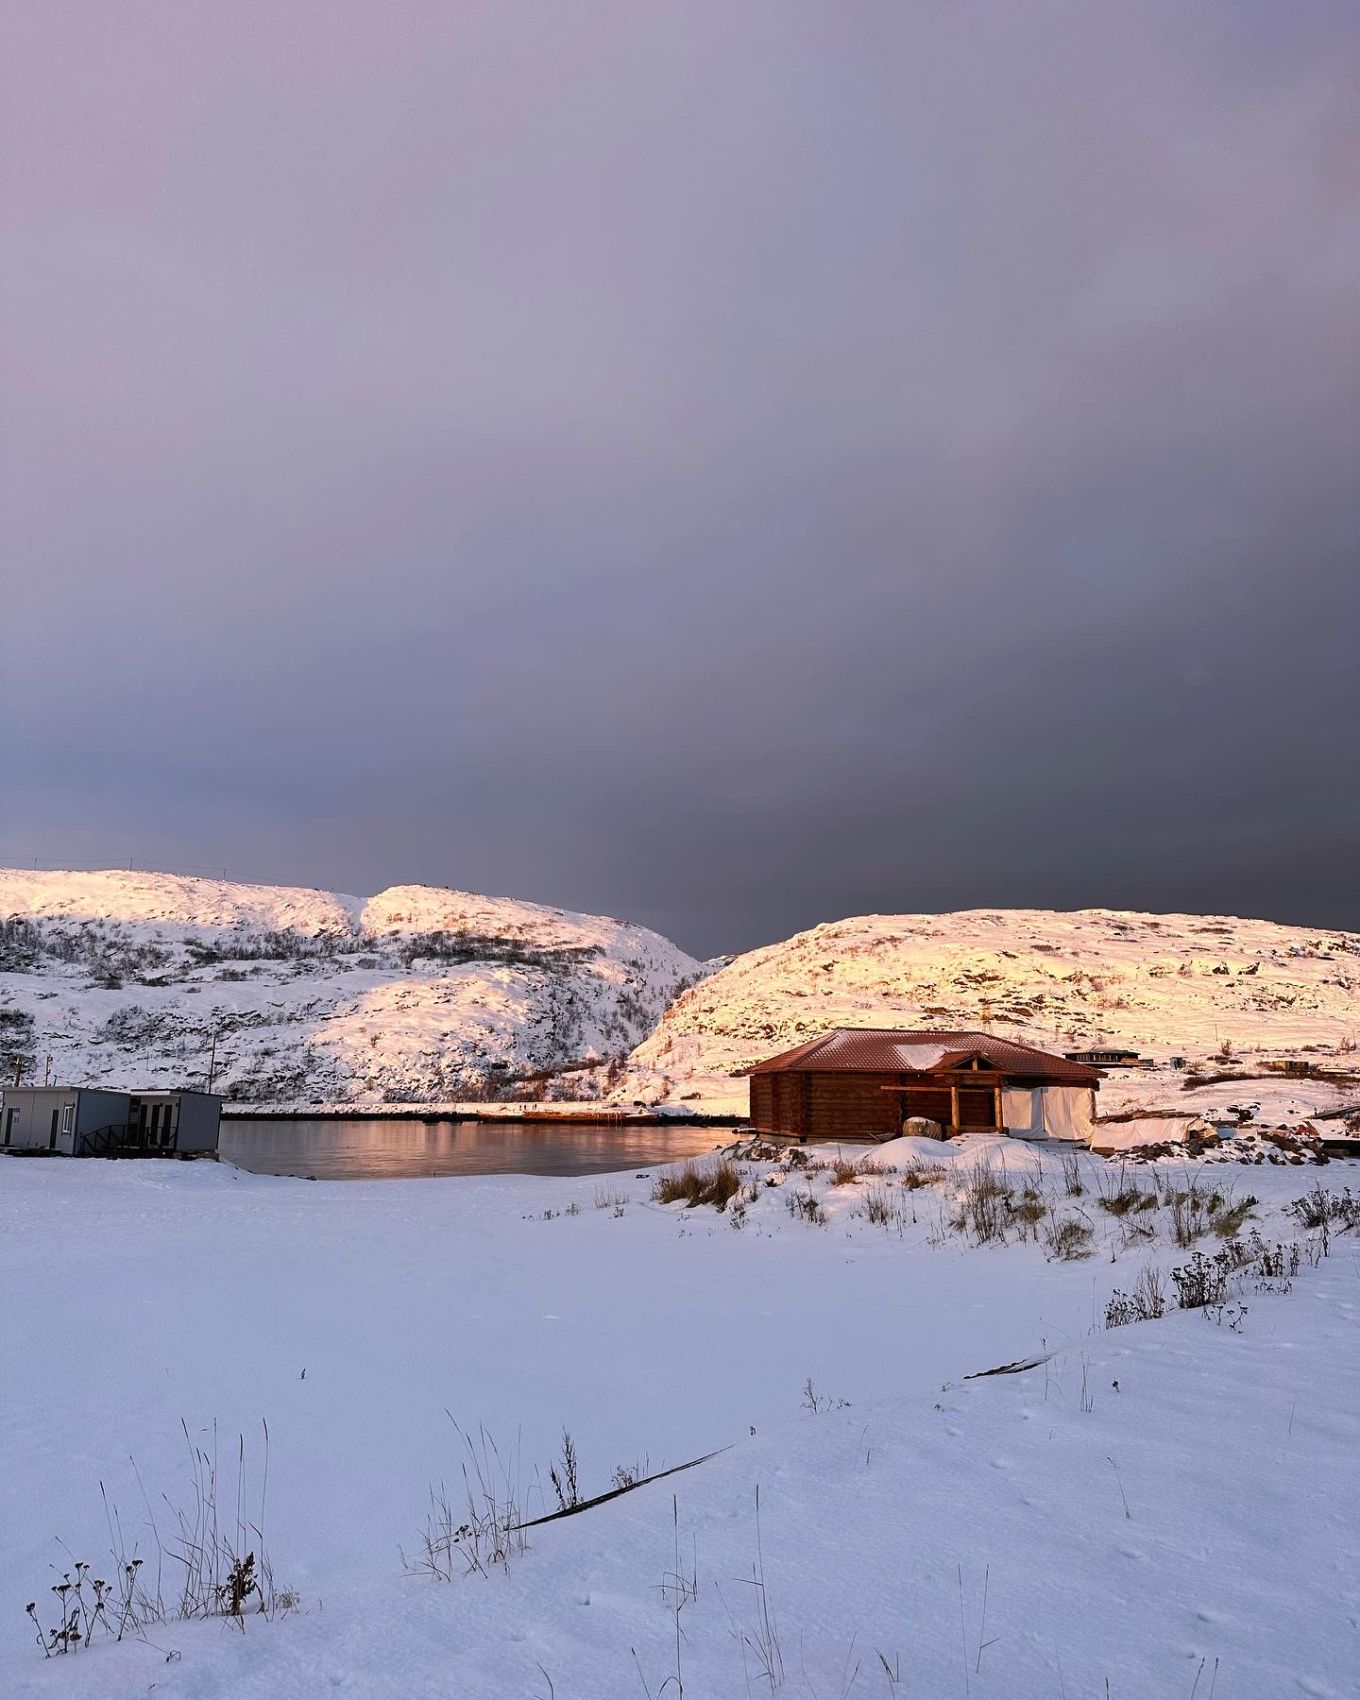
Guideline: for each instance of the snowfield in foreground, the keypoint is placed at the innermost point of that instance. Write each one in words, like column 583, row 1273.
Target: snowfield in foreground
column 1168, row 1508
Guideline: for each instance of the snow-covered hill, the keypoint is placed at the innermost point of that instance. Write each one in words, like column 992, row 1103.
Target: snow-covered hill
column 424, row 995
column 418, row 995
column 1161, row 984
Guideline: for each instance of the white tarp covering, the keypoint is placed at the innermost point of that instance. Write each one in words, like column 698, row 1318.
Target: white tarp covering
column 1068, row 1112
column 1022, row 1111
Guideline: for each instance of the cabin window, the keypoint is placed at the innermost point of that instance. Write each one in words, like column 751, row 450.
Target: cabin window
column 68, row 1117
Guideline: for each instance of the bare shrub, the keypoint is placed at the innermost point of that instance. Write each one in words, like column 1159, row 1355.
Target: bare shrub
column 1068, row 1238
column 1275, row 1266
column 1197, row 1210
column 918, row 1175
column 816, row 1402
column 1191, row 1212
column 803, row 1206
column 1320, row 1208
column 488, row 1533
column 880, row 1207
column 1228, row 1219
column 1145, row 1303
column 983, row 1206
column 1073, row 1185
column 1202, row 1281
column 218, row 1543
column 565, row 1481
column 1028, row 1210
column 1126, row 1199
column 79, row 1613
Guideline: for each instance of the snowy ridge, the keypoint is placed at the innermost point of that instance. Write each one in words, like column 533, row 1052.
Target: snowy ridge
column 417, row 995
column 1162, row 984
column 171, row 900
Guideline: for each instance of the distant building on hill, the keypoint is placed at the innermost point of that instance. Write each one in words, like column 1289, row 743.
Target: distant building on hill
column 87, row 1121
column 1104, row 1056
column 860, row 1083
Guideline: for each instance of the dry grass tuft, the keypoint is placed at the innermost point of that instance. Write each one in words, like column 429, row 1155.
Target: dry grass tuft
column 1069, row 1239
column 694, row 1183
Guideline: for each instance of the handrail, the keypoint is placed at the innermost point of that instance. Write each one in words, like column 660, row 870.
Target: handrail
column 103, row 1138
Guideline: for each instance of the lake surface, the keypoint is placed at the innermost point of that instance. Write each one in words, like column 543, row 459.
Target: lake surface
column 367, row 1150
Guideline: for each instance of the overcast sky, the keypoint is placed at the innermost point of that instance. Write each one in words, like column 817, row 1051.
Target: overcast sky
column 727, row 464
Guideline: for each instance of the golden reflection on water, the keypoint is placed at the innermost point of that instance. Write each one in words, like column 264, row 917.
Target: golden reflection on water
column 329, row 1149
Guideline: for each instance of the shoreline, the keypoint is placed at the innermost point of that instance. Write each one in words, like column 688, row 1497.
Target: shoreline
column 518, row 1114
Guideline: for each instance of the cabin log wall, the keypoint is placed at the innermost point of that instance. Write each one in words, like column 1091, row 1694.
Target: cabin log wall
column 849, row 1106
column 762, row 1102
column 826, row 1106
column 853, row 1106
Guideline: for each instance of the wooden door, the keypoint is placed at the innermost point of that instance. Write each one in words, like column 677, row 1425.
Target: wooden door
column 977, row 1108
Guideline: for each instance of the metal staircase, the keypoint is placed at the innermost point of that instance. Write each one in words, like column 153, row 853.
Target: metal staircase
column 121, row 1139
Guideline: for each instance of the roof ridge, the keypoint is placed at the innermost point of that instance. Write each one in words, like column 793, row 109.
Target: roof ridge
column 868, row 1048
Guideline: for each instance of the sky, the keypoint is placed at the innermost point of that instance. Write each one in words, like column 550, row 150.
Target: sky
column 731, row 466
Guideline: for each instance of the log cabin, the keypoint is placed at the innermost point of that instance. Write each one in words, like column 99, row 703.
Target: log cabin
column 864, row 1083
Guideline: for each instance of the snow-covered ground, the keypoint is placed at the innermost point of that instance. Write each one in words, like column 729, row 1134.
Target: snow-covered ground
column 1165, row 985
column 417, row 995
column 1168, row 1507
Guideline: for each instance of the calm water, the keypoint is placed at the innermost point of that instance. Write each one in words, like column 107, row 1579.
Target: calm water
column 367, row 1150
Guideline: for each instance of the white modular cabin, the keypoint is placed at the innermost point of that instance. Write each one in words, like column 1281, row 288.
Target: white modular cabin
column 85, row 1121
column 60, row 1119
column 175, row 1123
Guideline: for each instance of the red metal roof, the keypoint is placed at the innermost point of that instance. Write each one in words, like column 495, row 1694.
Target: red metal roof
column 884, row 1050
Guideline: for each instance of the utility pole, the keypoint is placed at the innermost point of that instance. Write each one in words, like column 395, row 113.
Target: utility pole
column 212, row 1061
column 47, row 1070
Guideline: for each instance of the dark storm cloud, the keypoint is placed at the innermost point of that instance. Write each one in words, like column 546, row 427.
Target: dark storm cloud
column 729, row 465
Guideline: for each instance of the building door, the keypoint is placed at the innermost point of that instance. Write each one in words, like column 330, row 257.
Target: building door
column 932, row 1102
column 159, row 1120
column 10, row 1118
column 52, row 1136
column 977, row 1108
